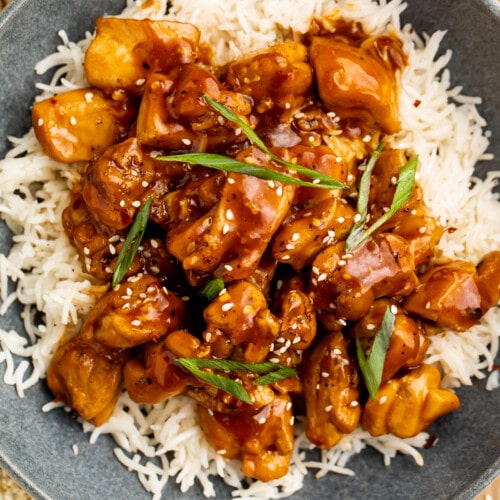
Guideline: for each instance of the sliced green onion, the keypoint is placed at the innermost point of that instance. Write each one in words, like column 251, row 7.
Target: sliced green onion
column 255, row 139
column 272, row 372
column 212, row 289
column 372, row 366
column 221, row 162
column 132, row 243
column 227, row 164
column 403, row 191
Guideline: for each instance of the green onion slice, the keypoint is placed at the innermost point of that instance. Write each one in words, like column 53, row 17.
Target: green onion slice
column 272, row 372
column 403, row 191
column 132, row 243
column 227, row 164
column 212, row 289
column 372, row 366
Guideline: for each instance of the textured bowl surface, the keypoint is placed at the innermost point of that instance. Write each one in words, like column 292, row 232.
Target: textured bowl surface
column 36, row 448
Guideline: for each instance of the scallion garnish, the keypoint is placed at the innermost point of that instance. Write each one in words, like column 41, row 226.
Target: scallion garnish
column 404, row 187
column 132, row 243
column 212, row 289
column 372, row 366
column 272, row 372
column 227, row 164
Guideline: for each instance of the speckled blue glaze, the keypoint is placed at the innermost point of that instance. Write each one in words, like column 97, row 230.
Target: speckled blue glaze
column 36, row 448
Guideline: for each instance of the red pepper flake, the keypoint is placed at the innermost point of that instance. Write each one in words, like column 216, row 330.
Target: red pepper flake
column 417, row 103
column 451, row 230
column 431, row 441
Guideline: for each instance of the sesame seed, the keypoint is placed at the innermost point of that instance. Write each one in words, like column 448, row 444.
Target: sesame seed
column 136, row 203
column 230, row 180
column 155, row 244
column 428, row 305
column 89, row 96
column 122, row 203
column 413, row 212
column 338, row 159
column 292, row 420
column 314, row 281
column 225, row 228
column 129, row 291
column 221, row 452
column 342, row 322
column 262, row 420
column 394, row 179
column 341, row 220
column 315, row 270
column 237, row 131
column 296, row 340
column 227, row 306
column 288, row 406
column 299, row 115
column 136, row 322
column 151, row 289
column 279, row 191
column 72, row 120
column 295, row 236
column 337, row 351
column 114, row 239
column 186, row 298
column 289, row 246
column 155, row 269
column 354, row 404
column 112, row 250
column 221, row 120
column 229, row 214
column 144, row 184
column 422, row 230
column 271, row 184
column 208, row 336
column 316, row 181
column 186, row 142
column 370, row 326
column 382, row 400
column 328, row 408
column 342, row 262
column 108, row 269
column 210, row 412
column 281, row 340
column 357, row 218
column 322, row 277
column 394, row 309
column 325, row 374
column 317, row 387
column 40, row 122
column 86, row 250
column 228, row 267
column 274, row 360
column 332, row 305
column 367, row 138
column 141, row 81
column 285, row 257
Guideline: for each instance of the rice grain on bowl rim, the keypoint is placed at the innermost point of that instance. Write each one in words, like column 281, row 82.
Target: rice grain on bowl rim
column 445, row 130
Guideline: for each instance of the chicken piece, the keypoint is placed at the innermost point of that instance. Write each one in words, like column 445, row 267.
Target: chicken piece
column 229, row 241
column 264, row 273
column 239, row 317
column 90, row 240
column 306, row 232
column 408, row 343
column 87, row 377
column 117, row 184
column 125, row 51
column 278, row 76
column 355, row 82
column 79, row 125
column 407, row 405
column 422, row 233
column 330, row 379
column 173, row 114
column 347, row 284
column 134, row 312
column 262, row 440
column 453, row 295
column 190, row 202
column 155, row 376
column 488, row 280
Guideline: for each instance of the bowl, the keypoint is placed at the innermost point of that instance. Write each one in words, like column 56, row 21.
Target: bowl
column 37, row 448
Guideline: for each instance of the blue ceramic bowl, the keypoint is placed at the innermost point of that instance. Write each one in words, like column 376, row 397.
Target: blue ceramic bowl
column 36, row 448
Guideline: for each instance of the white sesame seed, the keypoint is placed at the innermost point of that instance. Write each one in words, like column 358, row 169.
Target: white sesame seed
column 262, row 420
column 271, row 184
column 230, row 180
column 155, row 269
column 394, row 179
column 279, row 191
column 112, row 249
column 155, row 244
column 108, row 269
column 338, row 159
column 208, row 336
column 274, row 360
column 297, row 340
column 225, row 228
column 382, row 400
column 341, row 220
column 122, row 203
column 342, row 262
column 322, row 277
column 136, row 203
column 413, row 212
column 394, row 309
column 228, row 267
column 140, row 81
column 186, row 142
column 370, row 326
column 325, row 374
column 367, row 138
column 86, row 250
column 422, row 230
column 354, row 404
column 299, row 115
column 89, row 96
column 342, row 321
column 337, row 351
column 229, row 214
column 237, row 131
column 328, row 408
column 295, row 236
column 357, row 218
column 428, row 305
column 40, row 122
column 285, row 257
column 75, row 449
column 289, row 246
column 136, row 322
column 332, row 305
column 72, row 120
column 314, row 281
column 288, row 406
column 292, row 420
column 316, row 181
column 227, row 306
column 221, row 452
column 144, row 184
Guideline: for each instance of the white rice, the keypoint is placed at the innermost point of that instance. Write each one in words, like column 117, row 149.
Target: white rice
column 165, row 441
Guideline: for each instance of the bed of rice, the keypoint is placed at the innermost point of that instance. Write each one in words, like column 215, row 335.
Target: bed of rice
column 165, row 442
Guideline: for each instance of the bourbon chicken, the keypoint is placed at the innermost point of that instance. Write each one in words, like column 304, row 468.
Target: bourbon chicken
column 292, row 297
